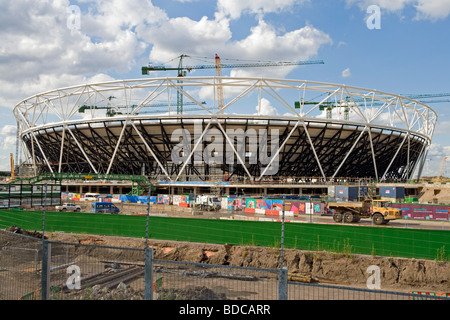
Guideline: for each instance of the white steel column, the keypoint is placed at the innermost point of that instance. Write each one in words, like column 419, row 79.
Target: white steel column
column 42, row 152
column 395, row 156
column 348, row 153
column 279, row 149
column 313, row 149
column 117, row 147
column 151, row 151
column 82, row 150
column 62, row 148
column 235, row 151
column 369, row 132
column 193, row 150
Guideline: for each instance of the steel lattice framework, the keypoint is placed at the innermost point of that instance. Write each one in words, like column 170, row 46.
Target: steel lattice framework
column 127, row 127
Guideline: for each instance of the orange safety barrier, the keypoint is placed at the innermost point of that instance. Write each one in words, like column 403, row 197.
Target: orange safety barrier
column 430, row 294
column 272, row 213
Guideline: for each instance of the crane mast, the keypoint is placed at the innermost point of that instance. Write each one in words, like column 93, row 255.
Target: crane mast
column 441, row 168
column 219, row 85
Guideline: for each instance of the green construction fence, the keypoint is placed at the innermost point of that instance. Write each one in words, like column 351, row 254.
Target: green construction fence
column 348, row 239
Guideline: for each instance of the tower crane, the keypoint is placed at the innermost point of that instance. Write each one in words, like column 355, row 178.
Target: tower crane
column 345, row 104
column 112, row 111
column 218, row 66
column 441, row 168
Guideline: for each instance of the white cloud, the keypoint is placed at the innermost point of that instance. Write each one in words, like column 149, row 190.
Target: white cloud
column 346, row 73
column 111, row 17
column 439, row 151
column 8, row 130
column 426, row 9
column 442, row 127
column 436, row 154
column 432, row 9
column 295, row 45
column 38, row 52
column 235, row 8
column 266, row 108
column 389, row 5
column 44, row 54
column 184, row 35
column 8, row 137
column 207, row 37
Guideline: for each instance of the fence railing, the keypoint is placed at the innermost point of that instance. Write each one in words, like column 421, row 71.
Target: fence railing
column 41, row 269
column 312, row 291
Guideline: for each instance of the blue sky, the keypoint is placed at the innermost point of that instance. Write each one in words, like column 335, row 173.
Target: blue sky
column 409, row 54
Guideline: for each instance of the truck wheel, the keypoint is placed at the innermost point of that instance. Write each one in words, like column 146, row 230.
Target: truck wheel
column 348, row 217
column 337, row 217
column 378, row 219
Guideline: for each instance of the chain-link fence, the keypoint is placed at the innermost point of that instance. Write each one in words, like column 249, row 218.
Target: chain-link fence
column 199, row 281
column 313, row 291
column 40, row 269
column 20, row 264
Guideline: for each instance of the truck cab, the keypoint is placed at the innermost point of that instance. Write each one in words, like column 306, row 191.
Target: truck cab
column 208, row 203
column 382, row 213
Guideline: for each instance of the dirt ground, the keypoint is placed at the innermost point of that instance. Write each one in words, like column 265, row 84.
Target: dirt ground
column 435, row 193
column 397, row 274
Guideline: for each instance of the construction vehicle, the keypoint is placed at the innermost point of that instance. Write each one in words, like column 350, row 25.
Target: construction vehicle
column 68, row 207
column 378, row 210
column 208, row 203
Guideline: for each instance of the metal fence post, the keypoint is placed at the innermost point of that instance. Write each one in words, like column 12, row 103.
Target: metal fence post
column 148, row 289
column 282, row 284
column 45, row 275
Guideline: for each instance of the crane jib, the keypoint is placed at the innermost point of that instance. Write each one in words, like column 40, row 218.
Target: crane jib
column 145, row 70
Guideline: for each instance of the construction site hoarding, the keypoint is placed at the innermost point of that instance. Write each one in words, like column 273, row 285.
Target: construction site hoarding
column 423, row 211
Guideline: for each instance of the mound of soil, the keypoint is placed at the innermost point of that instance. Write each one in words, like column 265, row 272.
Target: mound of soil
column 399, row 274
column 33, row 234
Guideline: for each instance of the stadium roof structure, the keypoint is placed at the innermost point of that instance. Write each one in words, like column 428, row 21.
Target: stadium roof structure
column 262, row 129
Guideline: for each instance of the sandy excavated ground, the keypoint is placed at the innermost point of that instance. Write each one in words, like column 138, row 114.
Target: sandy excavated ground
column 398, row 274
column 435, row 193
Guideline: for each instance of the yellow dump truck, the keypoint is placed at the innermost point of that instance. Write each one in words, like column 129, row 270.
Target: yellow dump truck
column 378, row 210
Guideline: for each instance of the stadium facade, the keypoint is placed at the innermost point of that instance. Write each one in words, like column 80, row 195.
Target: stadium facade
column 180, row 130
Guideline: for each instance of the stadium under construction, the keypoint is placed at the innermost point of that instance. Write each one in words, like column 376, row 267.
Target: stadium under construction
column 223, row 135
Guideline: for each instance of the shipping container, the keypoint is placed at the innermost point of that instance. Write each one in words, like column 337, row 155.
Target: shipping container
column 392, row 192
column 346, row 193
